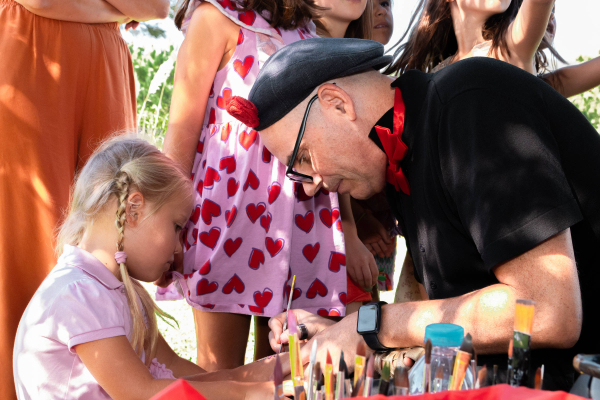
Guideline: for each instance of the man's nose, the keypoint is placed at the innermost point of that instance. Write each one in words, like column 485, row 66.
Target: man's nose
column 312, row 188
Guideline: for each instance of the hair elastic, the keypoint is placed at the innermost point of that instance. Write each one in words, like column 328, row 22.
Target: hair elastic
column 121, row 257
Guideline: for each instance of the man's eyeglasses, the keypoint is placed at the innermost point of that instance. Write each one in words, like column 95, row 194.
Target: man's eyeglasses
column 290, row 172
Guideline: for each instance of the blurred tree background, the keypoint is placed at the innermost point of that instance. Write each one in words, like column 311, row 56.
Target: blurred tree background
column 589, row 102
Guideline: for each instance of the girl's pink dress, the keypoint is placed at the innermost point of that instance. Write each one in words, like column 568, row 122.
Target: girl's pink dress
column 252, row 228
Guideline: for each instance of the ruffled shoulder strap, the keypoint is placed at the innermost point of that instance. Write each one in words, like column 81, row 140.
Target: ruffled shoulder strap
column 250, row 20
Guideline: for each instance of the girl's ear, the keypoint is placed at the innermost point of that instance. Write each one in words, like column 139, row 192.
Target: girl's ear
column 135, row 208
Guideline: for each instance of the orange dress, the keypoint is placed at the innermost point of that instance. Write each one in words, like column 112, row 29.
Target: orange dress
column 64, row 87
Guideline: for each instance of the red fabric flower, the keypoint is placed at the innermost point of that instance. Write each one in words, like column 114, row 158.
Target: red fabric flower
column 394, row 147
column 243, row 110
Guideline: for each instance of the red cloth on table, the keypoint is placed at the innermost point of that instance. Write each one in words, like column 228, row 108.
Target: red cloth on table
column 178, row 390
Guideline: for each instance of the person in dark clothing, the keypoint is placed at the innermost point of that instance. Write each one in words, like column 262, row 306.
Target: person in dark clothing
column 490, row 172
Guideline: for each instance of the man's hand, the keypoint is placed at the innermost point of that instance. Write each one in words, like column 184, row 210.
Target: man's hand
column 314, row 324
column 374, row 235
column 360, row 264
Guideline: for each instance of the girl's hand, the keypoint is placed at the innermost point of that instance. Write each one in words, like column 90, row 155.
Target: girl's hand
column 167, row 277
column 314, row 324
column 374, row 235
column 360, row 263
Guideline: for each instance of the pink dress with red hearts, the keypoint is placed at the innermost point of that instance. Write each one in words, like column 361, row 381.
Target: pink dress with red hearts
column 252, row 228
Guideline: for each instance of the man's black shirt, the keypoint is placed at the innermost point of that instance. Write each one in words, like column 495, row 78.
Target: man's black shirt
column 498, row 162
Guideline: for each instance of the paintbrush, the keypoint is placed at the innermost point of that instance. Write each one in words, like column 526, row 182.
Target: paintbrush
column 358, row 388
column 539, row 376
column 451, row 370
column 384, row 382
column 369, row 377
column 587, row 364
column 463, row 358
column 438, row 382
column 427, row 367
column 359, row 361
column 495, row 375
column 473, row 373
column 481, row 378
column 340, row 378
column 401, row 381
column 328, row 377
column 278, row 380
column 287, row 312
column 311, row 366
column 319, row 378
column 295, row 355
column 522, row 342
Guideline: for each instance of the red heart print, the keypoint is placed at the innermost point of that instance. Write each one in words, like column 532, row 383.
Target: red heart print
column 300, row 193
column 210, row 238
column 342, row 297
column 305, row 223
column 255, row 309
column 195, row 235
column 338, row 225
column 278, row 31
column 266, row 155
column 274, row 246
column 213, row 130
column 226, row 4
column 235, row 283
column 212, row 118
column 317, row 287
column 265, row 222
column 335, row 260
column 210, row 209
column 310, row 252
column 240, row 38
column 212, row 90
column 331, row 313
column 274, row 191
column 251, row 181
column 329, row 217
column 241, row 305
column 185, row 239
column 242, row 68
column 211, row 177
column 192, row 176
column 297, row 292
column 222, row 100
column 301, row 35
column 205, row 269
column 225, row 131
column 247, row 139
column 228, row 164
column 230, row 216
column 231, row 246
column 195, row 215
column 232, row 187
column 257, row 257
column 200, row 187
column 247, row 17
column 200, row 147
column 254, row 211
column 203, row 164
column 204, row 287
column 263, row 299
column 210, row 306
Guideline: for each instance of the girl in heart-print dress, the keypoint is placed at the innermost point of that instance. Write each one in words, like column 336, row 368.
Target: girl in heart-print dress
column 252, row 229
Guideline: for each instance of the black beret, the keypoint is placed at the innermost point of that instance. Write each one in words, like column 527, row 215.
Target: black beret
column 291, row 74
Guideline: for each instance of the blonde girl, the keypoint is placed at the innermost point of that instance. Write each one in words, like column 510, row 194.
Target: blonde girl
column 90, row 330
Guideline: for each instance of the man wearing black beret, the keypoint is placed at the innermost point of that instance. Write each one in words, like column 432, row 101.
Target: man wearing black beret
column 492, row 175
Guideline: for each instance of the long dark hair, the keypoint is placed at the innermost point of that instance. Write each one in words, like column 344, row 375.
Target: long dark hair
column 284, row 14
column 361, row 28
column 432, row 39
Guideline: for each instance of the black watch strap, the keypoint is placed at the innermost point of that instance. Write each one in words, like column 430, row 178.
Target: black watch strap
column 373, row 342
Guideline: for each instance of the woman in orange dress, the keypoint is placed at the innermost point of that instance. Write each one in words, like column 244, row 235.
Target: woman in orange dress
column 66, row 83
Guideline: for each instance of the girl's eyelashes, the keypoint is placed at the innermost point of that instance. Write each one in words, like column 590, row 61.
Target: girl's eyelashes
column 385, row 4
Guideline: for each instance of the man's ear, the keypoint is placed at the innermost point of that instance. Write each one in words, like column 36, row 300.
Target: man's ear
column 333, row 97
column 136, row 206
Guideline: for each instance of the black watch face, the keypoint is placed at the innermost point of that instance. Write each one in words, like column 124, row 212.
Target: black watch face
column 367, row 319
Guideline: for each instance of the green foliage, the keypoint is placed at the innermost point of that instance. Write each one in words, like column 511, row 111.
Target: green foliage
column 154, row 71
column 589, row 102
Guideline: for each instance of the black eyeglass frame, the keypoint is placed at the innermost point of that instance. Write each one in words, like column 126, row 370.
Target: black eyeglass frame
column 290, row 173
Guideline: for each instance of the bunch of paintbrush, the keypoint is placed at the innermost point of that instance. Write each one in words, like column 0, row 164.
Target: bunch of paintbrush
column 461, row 363
column 296, row 358
column 340, row 379
column 369, row 377
column 521, row 343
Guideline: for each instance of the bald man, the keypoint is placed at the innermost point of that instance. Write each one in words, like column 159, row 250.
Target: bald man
column 492, row 175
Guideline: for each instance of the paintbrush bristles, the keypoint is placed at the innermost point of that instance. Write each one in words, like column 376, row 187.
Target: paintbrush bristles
column 328, row 360
column 385, row 371
column 467, row 344
column 370, row 367
column 428, row 347
column 361, row 350
column 524, row 316
column 292, row 323
column 343, row 368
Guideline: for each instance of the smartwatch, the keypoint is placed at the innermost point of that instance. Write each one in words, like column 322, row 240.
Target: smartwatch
column 369, row 323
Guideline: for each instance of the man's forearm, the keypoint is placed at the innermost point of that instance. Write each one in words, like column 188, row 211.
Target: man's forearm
column 84, row 11
column 487, row 314
column 142, row 10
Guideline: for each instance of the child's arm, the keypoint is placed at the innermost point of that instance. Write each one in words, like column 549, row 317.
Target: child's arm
column 527, row 30
column 116, row 367
column 84, row 11
column 575, row 79
column 360, row 263
column 180, row 366
column 210, row 36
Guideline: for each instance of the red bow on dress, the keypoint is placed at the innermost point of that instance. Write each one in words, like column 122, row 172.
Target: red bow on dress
column 394, row 147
